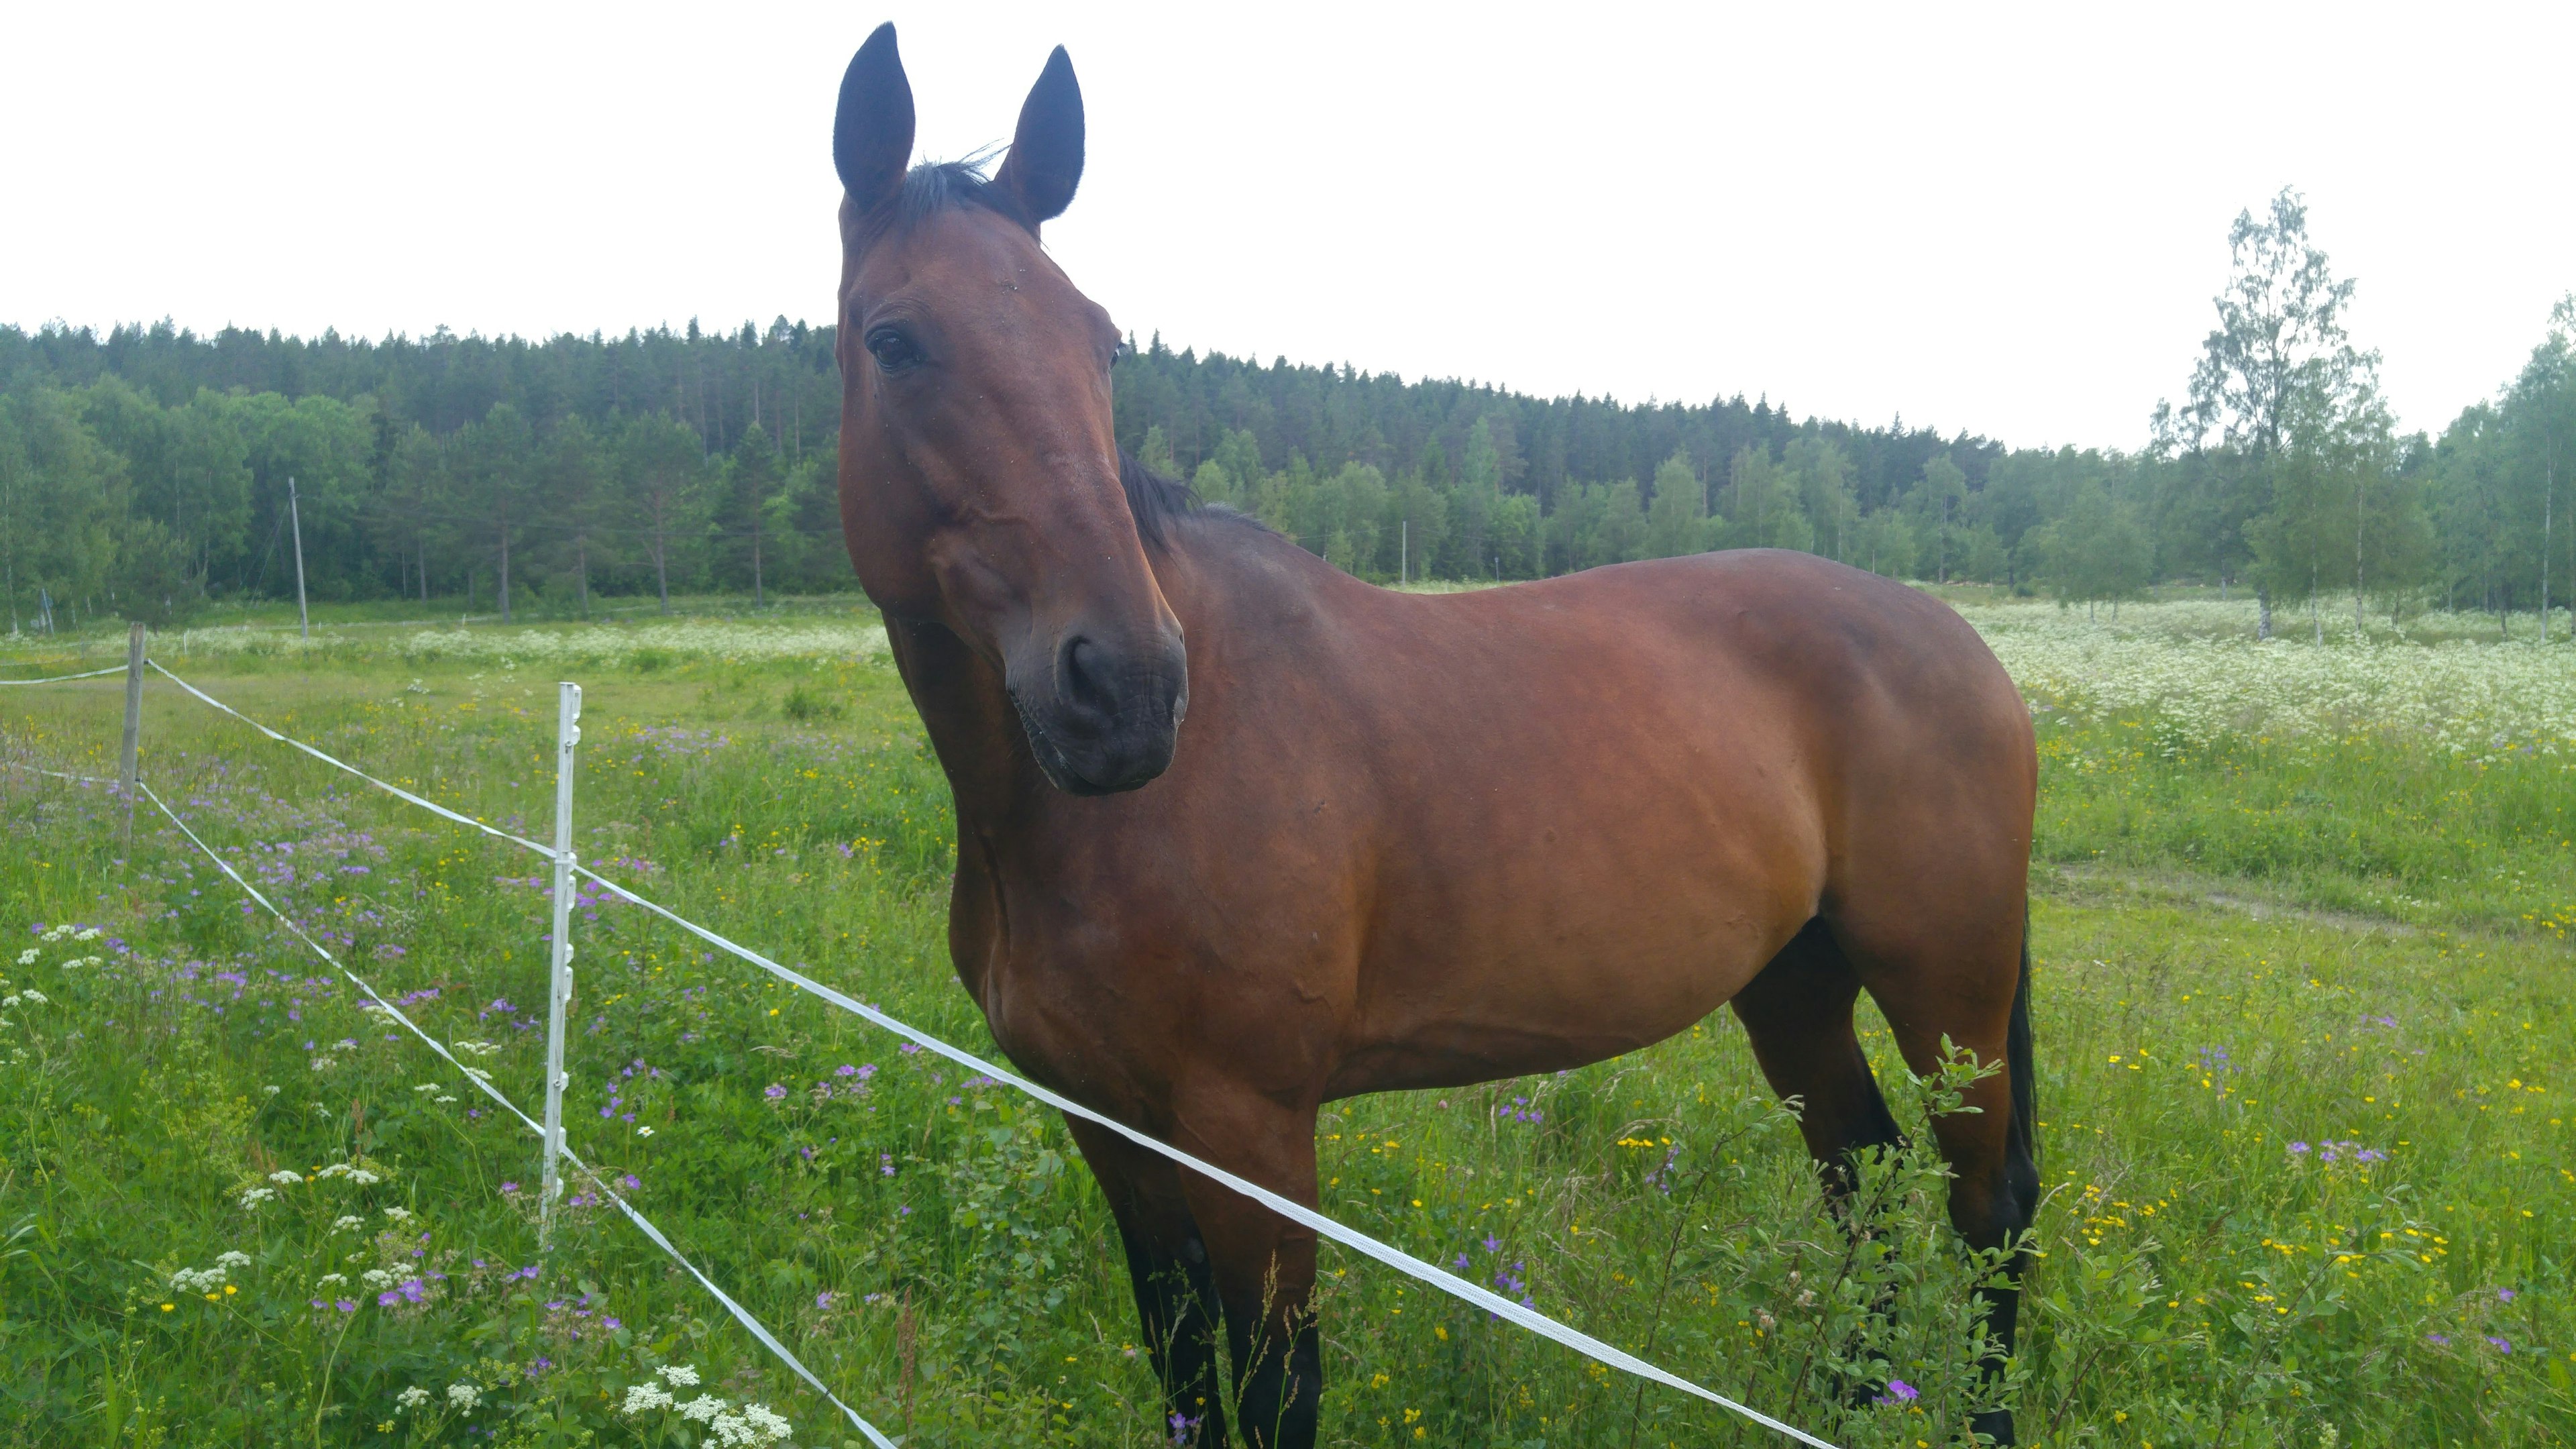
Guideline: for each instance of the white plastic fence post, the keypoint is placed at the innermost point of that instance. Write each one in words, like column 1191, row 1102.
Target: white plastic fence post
column 129, row 752
column 559, row 985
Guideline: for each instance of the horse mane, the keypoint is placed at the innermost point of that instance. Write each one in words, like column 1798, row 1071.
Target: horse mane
column 1158, row 503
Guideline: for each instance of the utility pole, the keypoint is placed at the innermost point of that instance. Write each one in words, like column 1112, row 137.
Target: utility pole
column 295, row 519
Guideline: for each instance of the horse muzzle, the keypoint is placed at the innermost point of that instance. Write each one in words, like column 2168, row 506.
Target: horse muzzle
column 1103, row 713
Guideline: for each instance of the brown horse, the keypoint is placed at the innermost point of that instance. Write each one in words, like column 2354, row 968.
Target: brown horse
column 1404, row 841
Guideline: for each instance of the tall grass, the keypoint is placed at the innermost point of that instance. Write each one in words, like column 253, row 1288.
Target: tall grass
column 2307, row 1166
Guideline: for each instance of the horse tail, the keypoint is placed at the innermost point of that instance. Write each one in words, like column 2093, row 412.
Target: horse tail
column 2017, row 1057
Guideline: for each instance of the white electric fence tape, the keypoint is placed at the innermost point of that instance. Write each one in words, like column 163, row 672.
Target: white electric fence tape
column 394, row 790
column 481, row 1079
column 59, row 775
column 61, row 678
column 1396, row 1258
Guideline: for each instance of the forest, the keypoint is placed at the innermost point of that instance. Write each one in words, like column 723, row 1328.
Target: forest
column 150, row 471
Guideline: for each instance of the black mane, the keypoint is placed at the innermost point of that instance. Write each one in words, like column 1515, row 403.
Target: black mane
column 1159, row 502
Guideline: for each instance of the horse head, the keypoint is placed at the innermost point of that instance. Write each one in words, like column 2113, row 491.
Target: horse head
column 980, row 481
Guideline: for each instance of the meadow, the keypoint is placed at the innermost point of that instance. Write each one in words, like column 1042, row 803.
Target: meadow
column 2302, row 996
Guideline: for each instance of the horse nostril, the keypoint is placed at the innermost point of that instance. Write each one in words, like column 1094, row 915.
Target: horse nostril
column 1085, row 676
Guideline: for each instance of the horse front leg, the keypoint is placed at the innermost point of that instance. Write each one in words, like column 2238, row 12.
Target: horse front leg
column 1264, row 1264
column 1168, row 1265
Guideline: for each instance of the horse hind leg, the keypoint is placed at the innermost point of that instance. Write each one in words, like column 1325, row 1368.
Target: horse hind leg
column 1962, row 985
column 1798, row 1015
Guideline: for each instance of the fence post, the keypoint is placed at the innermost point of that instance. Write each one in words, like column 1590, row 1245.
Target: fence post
column 128, row 755
column 559, row 984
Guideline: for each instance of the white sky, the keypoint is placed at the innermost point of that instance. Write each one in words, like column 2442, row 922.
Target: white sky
column 2010, row 223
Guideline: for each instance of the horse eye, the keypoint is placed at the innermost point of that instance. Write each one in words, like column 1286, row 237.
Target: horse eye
column 893, row 351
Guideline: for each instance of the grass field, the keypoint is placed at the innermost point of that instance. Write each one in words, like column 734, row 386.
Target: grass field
column 2302, row 1000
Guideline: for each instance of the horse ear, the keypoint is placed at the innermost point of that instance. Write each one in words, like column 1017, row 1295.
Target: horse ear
column 1045, row 163
column 872, row 132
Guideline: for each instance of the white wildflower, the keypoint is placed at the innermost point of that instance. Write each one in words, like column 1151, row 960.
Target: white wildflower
column 644, row 1131
column 463, row 1396
column 377, row 1278
column 32, row 994
column 362, row 1177
column 726, row 642
column 478, row 1074
column 347, row 1221
column 233, row 1259
column 731, row 1429
column 413, row 1397
column 89, row 935
column 56, row 934
column 647, row 1396
column 197, row 1280
column 426, row 1087
column 271, row 1091
column 330, row 1280
column 682, row 1376
column 87, row 961
column 255, row 1196
column 702, row 1409
column 399, row 1214
column 442, row 1097
column 286, row 1177
column 9, row 1000
column 476, row 1048
column 768, row 1423
column 323, row 1064
column 27, row 957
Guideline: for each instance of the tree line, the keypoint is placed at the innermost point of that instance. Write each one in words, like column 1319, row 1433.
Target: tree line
column 149, row 470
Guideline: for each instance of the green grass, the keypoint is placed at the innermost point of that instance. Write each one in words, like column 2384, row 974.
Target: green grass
column 2241, row 946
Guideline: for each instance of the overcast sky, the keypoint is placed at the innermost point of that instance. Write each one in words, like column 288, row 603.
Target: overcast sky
column 2010, row 223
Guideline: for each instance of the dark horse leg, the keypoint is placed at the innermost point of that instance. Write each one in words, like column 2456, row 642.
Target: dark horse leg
column 1798, row 1013
column 1944, row 974
column 1175, row 1286
column 1265, row 1265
